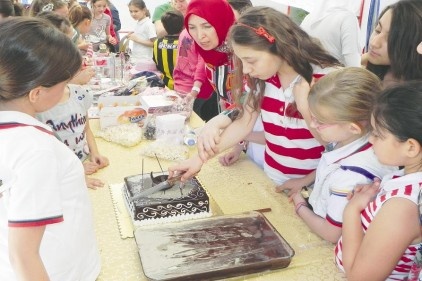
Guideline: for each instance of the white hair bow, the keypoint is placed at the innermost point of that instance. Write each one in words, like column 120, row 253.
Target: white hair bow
column 48, row 8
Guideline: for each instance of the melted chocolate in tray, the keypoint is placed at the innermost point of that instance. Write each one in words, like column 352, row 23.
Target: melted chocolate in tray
column 212, row 248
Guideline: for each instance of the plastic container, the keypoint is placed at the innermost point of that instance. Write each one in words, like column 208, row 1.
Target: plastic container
column 190, row 138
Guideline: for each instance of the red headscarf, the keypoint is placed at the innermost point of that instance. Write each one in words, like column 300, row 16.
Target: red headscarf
column 220, row 15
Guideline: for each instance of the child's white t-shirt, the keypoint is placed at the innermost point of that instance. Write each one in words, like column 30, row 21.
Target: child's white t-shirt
column 335, row 178
column 144, row 29
column 68, row 120
column 44, row 185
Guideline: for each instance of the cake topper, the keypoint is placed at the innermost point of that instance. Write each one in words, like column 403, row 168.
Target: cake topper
column 161, row 178
column 158, row 183
column 159, row 187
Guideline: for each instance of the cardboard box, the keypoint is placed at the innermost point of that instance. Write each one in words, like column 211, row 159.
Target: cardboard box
column 114, row 101
column 157, row 103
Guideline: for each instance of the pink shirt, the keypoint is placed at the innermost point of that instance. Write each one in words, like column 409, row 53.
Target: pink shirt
column 189, row 67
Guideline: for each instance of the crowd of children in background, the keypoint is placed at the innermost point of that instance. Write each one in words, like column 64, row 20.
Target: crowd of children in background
column 293, row 97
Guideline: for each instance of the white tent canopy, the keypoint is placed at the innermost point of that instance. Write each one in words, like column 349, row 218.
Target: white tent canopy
column 360, row 7
column 307, row 5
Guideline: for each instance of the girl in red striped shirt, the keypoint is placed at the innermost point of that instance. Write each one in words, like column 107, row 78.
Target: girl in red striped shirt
column 278, row 59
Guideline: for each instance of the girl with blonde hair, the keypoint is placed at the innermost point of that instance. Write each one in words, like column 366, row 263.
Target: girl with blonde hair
column 340, row 104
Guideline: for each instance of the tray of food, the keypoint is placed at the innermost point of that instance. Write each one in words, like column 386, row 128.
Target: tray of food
column 212, row 248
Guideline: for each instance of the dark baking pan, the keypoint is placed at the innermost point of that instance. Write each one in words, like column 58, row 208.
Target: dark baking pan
column 212, row 248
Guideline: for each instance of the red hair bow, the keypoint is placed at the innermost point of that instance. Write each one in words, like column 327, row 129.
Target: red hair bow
column 260, row 31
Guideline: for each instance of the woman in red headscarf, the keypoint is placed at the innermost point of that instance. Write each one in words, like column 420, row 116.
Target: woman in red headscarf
column 208, row 22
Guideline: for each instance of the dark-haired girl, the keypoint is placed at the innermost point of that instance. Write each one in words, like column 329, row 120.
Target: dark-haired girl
column 392, row 44
column 46, row 227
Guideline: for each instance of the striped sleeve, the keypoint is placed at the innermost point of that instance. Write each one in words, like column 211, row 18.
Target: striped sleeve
column 35, row 223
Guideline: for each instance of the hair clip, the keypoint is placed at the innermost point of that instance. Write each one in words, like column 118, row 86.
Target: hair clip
column 48, row 8
column 260, row 31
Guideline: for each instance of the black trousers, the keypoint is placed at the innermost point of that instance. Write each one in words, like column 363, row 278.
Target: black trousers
column 206, row 109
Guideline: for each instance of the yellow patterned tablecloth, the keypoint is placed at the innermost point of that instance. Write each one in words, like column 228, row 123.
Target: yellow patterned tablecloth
column 238, row 188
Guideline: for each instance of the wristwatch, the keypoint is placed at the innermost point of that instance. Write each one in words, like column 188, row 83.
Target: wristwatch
column 231, row 113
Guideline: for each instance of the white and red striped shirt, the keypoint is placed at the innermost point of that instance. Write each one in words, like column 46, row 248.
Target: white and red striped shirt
column 392, row 185
column 291, row 151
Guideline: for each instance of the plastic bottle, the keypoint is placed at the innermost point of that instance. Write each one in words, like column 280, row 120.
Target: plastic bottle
column 189, row 138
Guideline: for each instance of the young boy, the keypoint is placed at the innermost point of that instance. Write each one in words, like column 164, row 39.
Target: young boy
column 165, row 49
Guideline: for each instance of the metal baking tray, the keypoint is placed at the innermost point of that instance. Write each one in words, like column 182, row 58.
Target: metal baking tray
column 212, row 248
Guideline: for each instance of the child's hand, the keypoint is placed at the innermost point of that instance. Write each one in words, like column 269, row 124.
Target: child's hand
column 83, row 45
column 297, row 198
column 291, row 186
column 84, row 76
column 93, row 183
column 207, row 142
column 232, row 156
column 131, row 36
column 87, row 61
column 362, row 195
column 112, row 40
column 189, row 167
column 100, row 160
column 90, row 167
